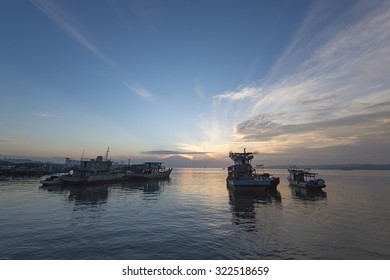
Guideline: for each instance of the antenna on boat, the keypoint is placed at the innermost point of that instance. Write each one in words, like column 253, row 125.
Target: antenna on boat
column 260, row 166
column 108, row 149
column 82, row 156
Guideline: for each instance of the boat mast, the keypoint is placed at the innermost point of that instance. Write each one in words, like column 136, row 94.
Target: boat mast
column 108, row 149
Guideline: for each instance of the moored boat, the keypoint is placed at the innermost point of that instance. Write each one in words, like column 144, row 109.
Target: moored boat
column 53, row 180
column 150, row 170
column 243, row 177
column 94, row 171
column 302, row 177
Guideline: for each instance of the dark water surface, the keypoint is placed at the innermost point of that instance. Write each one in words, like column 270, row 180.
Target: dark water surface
column 193, row 216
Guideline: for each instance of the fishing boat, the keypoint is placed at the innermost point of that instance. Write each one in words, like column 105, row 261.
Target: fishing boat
column 244, row 178
column 53, row 180
column 93, row 171
column 302, row 177
column 150, row 170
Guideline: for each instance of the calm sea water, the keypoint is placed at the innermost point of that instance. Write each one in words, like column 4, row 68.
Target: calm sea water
column 193, row 216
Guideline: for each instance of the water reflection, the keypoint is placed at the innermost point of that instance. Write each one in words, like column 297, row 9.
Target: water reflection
column 98, row 194
column 307, row 194
column 246, row 202
column 90, row 195
column 255, row 219
column 5, row 178
column 82, row 194
column 245, row 207
column 152, row 186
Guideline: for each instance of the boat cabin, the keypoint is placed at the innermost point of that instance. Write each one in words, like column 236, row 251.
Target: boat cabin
column 301, row 175
column 153, row 167
column 242, row 167
column 241, row 158
column 92, row 165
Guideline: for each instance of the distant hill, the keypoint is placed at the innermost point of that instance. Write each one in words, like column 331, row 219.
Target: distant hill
column 18, row 160
column 354, row 166
column 5, row 162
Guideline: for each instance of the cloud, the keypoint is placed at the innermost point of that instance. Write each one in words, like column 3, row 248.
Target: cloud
column 45, row 115
column 140, row 91
column 330, row 87
column 245, row 92
column 172, row 152
column 70, row 26
column 41, row 114
column 189, row 155
column 263, row 127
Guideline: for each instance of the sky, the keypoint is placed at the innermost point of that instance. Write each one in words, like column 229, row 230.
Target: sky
column 185, row 82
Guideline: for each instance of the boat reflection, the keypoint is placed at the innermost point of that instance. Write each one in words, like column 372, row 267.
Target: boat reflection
column 90, row 195
column 244, row 201
column 100, row 193
column 82, row 194
column 307, row 194
column 151, row 186
column 250, row 211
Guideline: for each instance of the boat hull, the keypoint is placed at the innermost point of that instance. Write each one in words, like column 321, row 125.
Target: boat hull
column 252, row 186
column 48, row 183
column 307, row 185
column 94, row 179
column 91, row 179
column 151, row 176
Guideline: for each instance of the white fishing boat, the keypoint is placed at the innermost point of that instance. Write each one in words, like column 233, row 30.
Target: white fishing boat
column 302, row 177
column 94, row 171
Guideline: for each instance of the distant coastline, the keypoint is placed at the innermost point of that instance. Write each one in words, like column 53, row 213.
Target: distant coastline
column 8, row 162
column 346, row 167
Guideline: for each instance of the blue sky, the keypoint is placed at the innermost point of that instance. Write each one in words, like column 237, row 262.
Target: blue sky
column 299, row 82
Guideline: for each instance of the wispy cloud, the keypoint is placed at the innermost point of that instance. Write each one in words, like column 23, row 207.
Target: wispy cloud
column 172, row 152
column 46, row 115
column 139, row 90
column 41, row 114
column 336, row 93
column 70, row 26
column 242, row 93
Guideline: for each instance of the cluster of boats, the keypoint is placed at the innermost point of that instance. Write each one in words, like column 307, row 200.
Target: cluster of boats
column 100, row 171
column 242, row 177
